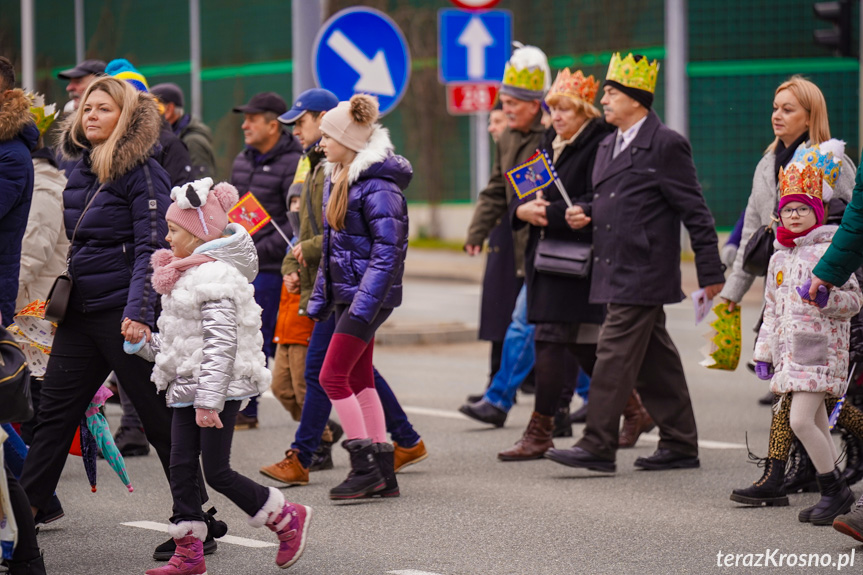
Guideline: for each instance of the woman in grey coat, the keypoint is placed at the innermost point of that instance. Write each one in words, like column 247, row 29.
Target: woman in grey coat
column 799, row 120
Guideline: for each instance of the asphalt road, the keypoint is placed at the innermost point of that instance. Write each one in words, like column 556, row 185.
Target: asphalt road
column 464, row 513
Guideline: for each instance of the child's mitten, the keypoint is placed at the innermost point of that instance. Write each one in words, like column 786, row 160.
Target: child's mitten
column 820, row 300
column 762, row 370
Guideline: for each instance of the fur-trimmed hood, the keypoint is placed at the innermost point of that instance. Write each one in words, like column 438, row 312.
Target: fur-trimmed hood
column 133, row 149
column 14, row 114
column 377, row 160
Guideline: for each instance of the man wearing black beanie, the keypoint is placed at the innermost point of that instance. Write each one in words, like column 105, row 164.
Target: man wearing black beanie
column 645, row 186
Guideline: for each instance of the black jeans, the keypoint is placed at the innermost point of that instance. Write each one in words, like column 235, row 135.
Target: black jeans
column 27, row 547
column 87, row 347
column 213, row 447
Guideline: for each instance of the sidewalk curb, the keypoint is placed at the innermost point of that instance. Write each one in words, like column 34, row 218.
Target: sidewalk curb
column 429, row 334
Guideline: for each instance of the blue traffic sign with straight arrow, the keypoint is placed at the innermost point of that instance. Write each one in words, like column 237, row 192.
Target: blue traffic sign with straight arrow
column 473, row 46
column 362, row 50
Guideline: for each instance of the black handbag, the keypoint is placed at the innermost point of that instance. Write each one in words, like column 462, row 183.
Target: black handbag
column 58, row 298
column 15, row 401
column 759, row 249
column 563, row 258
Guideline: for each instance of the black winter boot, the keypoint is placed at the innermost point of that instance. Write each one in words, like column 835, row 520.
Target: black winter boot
column 31, row 567
column 385, row 456
column 365, row 477
column 800, row 473
column 562, row 425
column 322, row 458
column 853, row 458
column 836, row 499
column 769, row 490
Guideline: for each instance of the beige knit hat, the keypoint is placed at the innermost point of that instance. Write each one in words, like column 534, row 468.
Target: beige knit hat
column 351, row 123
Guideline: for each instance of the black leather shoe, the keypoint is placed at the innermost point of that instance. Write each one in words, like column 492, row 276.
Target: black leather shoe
column 578, row 457
column 579, row 416
column 666, row 459
column 485, row 412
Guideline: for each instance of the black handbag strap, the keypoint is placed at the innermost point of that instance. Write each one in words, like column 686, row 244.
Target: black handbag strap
column 75, row 231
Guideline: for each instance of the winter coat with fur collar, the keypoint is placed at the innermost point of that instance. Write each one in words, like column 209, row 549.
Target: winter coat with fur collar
column 807, row 346
column 208, row 348
column 110, row 257
column 18, row 135
column 362, row 265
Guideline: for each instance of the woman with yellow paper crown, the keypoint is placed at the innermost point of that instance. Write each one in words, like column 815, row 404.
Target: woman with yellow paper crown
column 802, row 346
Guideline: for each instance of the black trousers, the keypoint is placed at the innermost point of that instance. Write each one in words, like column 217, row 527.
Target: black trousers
column 213, row 447
column 557, row 373
column 27, row 547
column 635, row 351
column 87, row 347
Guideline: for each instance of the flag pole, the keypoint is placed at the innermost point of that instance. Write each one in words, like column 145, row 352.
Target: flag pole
column 557, row 181
column 281, row 233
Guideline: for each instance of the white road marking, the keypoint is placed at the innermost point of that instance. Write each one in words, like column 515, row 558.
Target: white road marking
column 163, row 527
column 445, row 413
column 411, row 572
column 704, row 443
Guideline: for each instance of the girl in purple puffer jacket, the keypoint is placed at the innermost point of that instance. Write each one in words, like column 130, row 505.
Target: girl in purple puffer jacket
column 360, row 279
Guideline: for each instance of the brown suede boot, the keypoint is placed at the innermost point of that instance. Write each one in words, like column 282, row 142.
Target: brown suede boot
column 636, row 421
column 535, row 441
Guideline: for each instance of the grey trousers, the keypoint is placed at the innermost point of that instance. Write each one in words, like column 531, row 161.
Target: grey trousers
column 635, row 351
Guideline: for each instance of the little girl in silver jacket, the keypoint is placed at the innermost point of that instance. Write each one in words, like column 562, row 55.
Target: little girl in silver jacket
column 208, row 359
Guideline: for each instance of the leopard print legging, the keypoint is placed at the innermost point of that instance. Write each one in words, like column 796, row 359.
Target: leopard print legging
column 781, row 435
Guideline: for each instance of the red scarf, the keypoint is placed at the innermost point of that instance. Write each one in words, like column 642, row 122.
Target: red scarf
column 167, row 268
column 786, row 237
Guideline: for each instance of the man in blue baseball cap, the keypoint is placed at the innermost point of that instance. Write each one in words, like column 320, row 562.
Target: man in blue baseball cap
column 311, row 449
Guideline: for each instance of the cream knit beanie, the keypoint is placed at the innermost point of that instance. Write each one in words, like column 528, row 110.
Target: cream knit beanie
column 351, row 123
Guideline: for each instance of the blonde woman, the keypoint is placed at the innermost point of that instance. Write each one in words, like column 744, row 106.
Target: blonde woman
column 799, row 119
column 360, row 280
column 114, row 212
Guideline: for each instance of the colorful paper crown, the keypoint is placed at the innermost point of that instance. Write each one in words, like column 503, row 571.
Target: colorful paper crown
column 640, row 75
column 724, row 340
column 574, row 86
column 826, row 156
column 527, row 69
column 43, row 115
column 800, row 179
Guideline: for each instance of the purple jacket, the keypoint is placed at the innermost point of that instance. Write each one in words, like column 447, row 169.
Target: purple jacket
column 362, row 265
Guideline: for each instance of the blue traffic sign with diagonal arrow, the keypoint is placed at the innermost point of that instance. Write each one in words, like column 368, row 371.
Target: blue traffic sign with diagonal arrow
column 362, row 50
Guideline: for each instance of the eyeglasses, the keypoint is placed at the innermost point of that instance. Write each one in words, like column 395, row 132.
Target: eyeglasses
column 802, row 211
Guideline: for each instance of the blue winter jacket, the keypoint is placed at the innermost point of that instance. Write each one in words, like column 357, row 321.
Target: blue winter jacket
column 110, row 256
column 18, row 135
column 362, row 265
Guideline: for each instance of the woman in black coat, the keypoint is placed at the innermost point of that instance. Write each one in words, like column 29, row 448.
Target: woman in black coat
column 567, row 326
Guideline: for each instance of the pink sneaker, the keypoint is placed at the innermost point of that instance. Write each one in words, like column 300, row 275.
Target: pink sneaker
column 188, row 559
column 291, row 525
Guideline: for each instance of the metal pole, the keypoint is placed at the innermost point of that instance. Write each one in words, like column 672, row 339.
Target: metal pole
column 80, row 40
column 860, row 90
column 482, row 159
column 676, row 57
column 195, row 57
column 306, row 19
column 28, row 43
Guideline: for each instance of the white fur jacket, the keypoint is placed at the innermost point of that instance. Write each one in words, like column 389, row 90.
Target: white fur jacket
column 208, row 349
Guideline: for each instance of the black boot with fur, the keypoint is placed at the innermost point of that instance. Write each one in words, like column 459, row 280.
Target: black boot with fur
column 365, row 477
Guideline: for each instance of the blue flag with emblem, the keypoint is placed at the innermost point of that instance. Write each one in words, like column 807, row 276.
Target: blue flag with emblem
column 533, row 175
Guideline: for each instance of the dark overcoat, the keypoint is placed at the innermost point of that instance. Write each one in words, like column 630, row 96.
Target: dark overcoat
column 554, row 298
column 640, row 199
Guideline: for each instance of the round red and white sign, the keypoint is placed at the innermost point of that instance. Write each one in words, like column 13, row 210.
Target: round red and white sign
column 475, row 4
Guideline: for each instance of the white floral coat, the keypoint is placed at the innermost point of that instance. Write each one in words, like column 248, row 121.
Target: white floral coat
column 807, row 346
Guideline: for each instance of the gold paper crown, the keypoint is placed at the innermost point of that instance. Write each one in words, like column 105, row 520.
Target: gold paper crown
column 525, row 78
column 574, row 86
column 806, row 180
column 640, row 75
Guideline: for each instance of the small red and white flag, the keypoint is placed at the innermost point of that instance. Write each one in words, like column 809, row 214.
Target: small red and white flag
column 249, row 213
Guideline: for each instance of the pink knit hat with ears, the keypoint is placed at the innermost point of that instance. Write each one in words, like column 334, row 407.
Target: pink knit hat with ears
column 201, row 209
